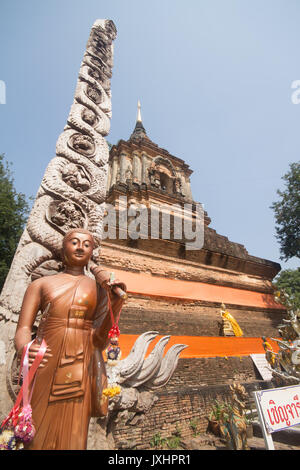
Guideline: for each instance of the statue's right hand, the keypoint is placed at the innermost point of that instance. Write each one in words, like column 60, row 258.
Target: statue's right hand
column 32, row 353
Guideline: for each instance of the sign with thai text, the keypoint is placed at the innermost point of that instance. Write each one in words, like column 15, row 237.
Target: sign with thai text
column 280, row 407
column 262, row 365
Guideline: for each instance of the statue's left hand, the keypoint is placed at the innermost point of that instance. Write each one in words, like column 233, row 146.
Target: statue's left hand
column 117, row 283
column 103, row 277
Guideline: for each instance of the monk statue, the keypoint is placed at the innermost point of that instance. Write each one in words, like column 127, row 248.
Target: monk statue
column 75, row 324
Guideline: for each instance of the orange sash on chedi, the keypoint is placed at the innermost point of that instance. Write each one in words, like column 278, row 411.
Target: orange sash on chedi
column 205, row 346
column 148, row 285
column 199, row 346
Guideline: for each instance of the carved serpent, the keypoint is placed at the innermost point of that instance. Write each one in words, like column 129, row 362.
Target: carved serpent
column 70, row 196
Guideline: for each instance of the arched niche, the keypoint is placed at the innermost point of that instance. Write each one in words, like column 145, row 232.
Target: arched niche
column 162, row 174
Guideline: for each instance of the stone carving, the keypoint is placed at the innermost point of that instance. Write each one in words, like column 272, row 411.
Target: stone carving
column 94, row 94
column 154, row 177
column 234, row 430
column 83, row 144
column 153, row 372
column 65, row 216
column 285, row 363
column 89, row 117
column 73, row 189
column 76, row 177
column 139, row 378
column 162, row 175
column 128, row 172
column 177, row 186
column 164, row 163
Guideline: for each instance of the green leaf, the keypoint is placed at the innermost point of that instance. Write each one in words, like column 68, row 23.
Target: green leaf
column 287, row 214
column 14, row 210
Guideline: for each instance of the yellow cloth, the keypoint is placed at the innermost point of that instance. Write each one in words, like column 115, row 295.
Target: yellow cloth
column 234, row 324
column 269, row 349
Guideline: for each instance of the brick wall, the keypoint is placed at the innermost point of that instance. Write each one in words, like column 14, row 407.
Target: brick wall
column 196, row 382
column 180, row 406
column 162, row 263
column 211, row 371
column 192, row 319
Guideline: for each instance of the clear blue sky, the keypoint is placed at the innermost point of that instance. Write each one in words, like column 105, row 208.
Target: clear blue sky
column 214, row 79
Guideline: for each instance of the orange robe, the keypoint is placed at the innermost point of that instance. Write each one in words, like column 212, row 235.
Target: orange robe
column 61, row 400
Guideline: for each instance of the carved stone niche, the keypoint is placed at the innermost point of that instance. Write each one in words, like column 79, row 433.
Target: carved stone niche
column 89, row 117
column 104, row 68
column 94, row 73
column 111, row 29
column 76, row 176
column 177, row 187
column 83, row 144
column 94, row 94
column 47, row 268
column 65, row 216
column 99, row 48
column 98, row 75
column 161, row 177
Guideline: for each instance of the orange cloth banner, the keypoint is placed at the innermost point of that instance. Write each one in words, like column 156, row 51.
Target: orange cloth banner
column 146, row 284
column 205, row 346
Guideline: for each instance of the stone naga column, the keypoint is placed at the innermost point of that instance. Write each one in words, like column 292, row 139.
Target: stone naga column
column 73, row 189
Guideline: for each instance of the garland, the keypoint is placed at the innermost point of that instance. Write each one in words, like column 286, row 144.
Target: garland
column 18, row 428
column 113, row 352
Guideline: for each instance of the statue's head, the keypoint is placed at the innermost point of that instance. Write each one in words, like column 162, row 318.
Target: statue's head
column 77, row 249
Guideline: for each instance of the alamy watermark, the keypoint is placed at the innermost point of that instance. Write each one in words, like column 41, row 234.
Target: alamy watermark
column 2, row 92
column 183, row 223
column 295, row 97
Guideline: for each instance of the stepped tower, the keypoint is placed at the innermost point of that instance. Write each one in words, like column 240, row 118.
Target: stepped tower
column 180, row 292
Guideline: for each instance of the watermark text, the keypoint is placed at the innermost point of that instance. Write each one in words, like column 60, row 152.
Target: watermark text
column 184, row 223
column 2, row 92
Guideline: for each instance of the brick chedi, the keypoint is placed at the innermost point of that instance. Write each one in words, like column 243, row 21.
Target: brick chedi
column 179, row 292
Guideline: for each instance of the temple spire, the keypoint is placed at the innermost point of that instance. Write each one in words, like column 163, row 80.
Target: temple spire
column 139, row 131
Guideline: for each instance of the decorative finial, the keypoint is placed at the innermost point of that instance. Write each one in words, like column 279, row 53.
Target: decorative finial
column 139, row 131
column 139, row 116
